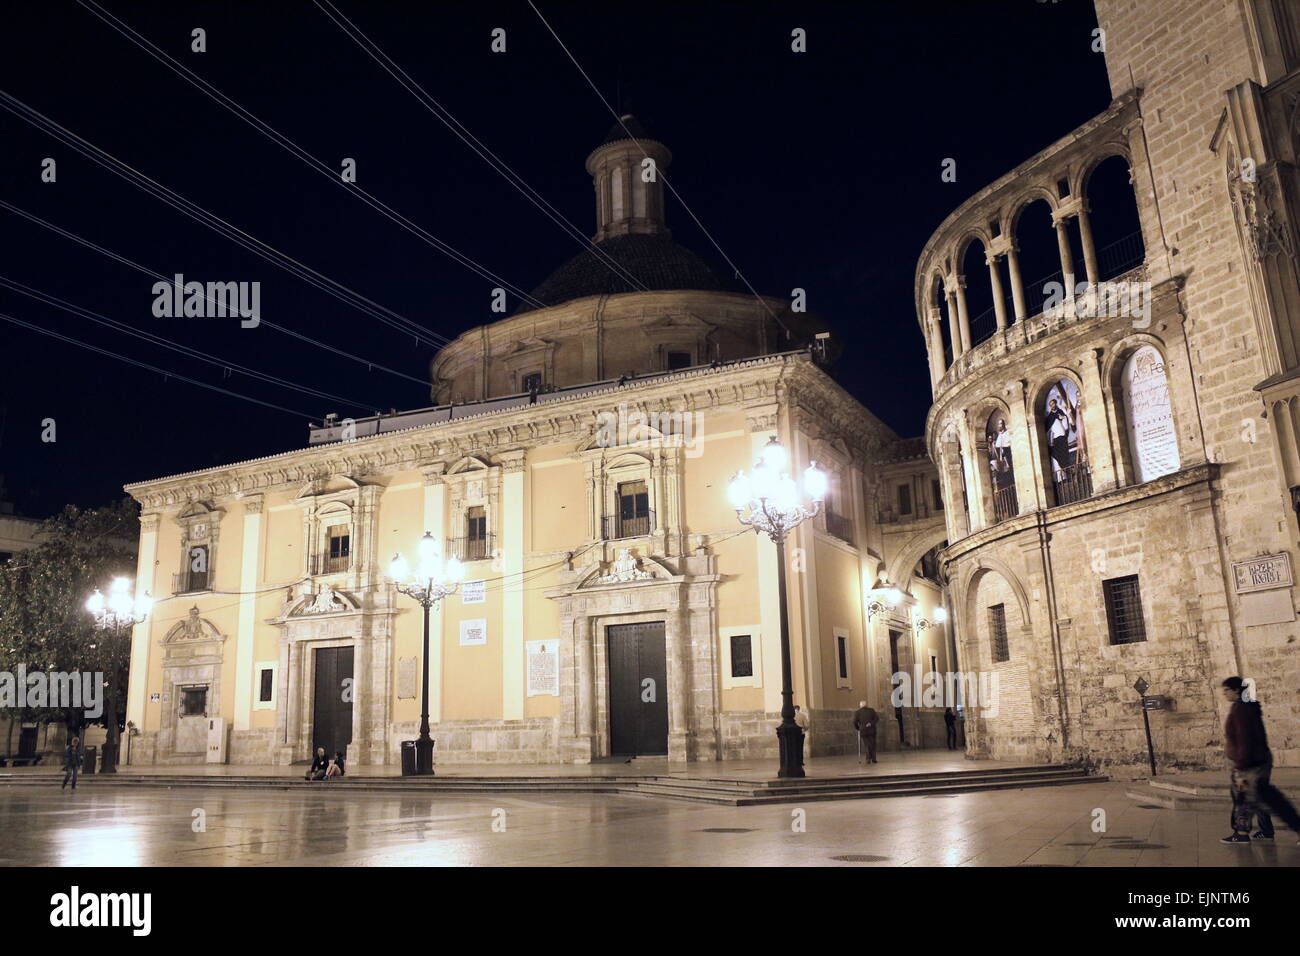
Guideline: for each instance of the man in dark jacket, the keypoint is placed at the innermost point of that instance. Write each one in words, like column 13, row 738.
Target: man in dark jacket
column 1245, row 744
column 73, row 755
column 864, row 722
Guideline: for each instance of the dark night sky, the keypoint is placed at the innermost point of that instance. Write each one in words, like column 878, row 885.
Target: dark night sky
column 818, row 170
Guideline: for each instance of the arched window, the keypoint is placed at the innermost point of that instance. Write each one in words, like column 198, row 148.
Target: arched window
column 1066, row 442
column 1149, row 415
column 1002, row 469
column 978, row 291
column 1113, row 217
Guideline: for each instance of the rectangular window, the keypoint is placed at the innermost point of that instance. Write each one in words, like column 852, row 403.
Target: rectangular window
column 633, row 509
column 904, row 499
column 742, row 655
column 937, row 490
column 998, row 633
column 842, row 655
column 678, row 360
column 266, row 685
column 533, row 382
column 196, row 572
column 340, row 548
column 476, row 539
column 194, row 701
column 1124, row 610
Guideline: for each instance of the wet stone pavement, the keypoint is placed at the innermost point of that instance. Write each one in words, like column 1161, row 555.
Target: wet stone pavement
column 187, row 827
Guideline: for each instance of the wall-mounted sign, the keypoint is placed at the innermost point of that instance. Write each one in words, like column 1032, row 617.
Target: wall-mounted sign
column 1155, row 703
column 473, row 632
column 1262, row 573
column 473, row 592
column 543, row 668
column 406, row 679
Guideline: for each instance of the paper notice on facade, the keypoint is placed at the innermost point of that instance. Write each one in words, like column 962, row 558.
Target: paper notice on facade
column 406, row 678
column 473, row 592
column 473, row 632
column 543, row 668
column 1150, row 415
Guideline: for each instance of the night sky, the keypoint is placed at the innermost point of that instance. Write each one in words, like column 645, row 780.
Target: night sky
column 818, row 170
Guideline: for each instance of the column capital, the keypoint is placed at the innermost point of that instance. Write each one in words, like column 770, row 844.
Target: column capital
column 434, row 474
column 253, row 504
column 150, row 522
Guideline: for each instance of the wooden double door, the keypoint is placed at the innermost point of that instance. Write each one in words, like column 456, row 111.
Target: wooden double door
column 638, row 689
column 331, row 725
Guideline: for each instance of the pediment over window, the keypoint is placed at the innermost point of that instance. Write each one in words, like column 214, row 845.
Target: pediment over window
column 626, row 568
column 326, row 600
column 193, row 629
column 332, row 485
column 466, row 464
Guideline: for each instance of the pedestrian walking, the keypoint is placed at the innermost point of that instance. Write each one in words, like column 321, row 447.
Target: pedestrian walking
column 1245, row 744
column 865, row 720
column 73, row 755
column 950, row 719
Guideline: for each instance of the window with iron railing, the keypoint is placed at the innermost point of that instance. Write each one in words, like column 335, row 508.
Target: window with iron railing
column 1072, row 483
column 188, row 581
column 839, row 526
column 633, row 517
column 1124, row 610
column 998, row 633
column 1005, row 504
column 477, row 547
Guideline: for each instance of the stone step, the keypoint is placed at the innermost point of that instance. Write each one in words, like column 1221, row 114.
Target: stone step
column 713, row 790
column 1181, row 798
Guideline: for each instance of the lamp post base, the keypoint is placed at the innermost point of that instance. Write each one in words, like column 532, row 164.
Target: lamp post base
column 789, row 740
column 424, row 757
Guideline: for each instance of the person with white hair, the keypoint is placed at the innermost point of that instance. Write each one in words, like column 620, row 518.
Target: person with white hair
column 865, row 720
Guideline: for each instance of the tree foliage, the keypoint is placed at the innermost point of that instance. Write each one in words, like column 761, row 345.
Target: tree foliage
column 44, row 624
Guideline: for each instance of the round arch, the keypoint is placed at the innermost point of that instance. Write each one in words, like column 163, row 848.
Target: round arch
column 899, row 568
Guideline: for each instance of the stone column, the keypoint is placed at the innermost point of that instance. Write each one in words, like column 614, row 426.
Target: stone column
column 142, row 634
column 1017, row 284
column 512, row 598
column 1025, row 443
column 962, row 315
column 1096, row 424
column 954, row 323
column 246, row 632
column 435, row 510
column 586, row 709
column 999, row 303
column 1067, row 258
column 679, row 728
column 1089, row 250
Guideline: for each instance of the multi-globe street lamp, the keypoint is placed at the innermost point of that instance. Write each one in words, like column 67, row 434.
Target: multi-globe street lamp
column 116, row 614
column 770, row 501
column 428, row 583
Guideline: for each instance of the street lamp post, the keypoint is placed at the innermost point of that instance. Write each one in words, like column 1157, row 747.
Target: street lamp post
column 428, row 584
column 770, row 502
column 116, row 614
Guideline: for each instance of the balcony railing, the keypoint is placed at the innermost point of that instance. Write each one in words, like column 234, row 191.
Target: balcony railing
column 839, row 526
column 1004, row 503
column 330, row 563
column 188, row 582
column 613, row 527
column 471, row 547
column 1073, row 483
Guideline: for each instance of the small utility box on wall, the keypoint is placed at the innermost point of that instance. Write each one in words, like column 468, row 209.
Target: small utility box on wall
column 216, row 740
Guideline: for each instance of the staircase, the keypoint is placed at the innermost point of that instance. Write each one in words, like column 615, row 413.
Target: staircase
column 722, row 791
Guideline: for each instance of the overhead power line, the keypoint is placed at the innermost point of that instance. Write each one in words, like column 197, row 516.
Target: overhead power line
column 199, row 354
column 152, row 368
column 499, row 165
column 619, row 119
column 158, row 275
column 214, row 222
column 293, row 148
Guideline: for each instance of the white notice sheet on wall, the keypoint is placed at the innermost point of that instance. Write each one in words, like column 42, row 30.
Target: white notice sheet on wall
column 472, row 592
column 543, row 668
column 473, row 632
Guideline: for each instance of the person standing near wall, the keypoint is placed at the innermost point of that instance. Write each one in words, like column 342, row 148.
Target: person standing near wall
column 73, row 755
column 865, row 720
column 1245, row 744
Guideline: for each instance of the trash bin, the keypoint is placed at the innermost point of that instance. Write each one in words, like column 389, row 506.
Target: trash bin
column 88, row 765
column 408, row 758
